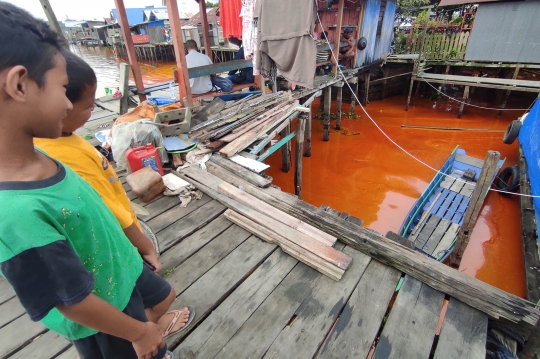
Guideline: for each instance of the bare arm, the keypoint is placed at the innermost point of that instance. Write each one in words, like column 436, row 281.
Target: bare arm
column 95, row 313
column 143, row 244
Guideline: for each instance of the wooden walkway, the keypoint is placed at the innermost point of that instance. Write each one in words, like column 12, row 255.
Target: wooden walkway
column 252, row 300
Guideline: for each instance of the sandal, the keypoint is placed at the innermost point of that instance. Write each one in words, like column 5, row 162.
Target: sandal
column 169, row 355
column 177, row 313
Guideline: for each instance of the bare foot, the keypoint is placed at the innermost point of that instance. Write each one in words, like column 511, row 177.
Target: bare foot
column 173, row 321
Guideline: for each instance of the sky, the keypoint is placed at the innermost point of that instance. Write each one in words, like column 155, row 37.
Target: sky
column 92, row 9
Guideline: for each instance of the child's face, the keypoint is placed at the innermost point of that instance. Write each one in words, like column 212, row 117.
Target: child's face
column 82, row 110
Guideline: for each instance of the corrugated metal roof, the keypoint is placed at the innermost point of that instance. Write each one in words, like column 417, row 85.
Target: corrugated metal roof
column 211, row 14
column 460, row 2
column 135, row 15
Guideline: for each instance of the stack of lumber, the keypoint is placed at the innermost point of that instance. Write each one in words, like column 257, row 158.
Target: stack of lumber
column 239, row 124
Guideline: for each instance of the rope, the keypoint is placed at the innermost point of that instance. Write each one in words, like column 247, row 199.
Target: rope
column 394, row 142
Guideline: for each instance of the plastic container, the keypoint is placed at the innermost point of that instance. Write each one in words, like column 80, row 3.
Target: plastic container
column 144, row 156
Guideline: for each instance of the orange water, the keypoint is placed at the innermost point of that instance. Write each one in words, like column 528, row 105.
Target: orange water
column 360, row 172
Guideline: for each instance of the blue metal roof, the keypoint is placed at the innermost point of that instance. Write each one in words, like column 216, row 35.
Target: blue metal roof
column 135, row 15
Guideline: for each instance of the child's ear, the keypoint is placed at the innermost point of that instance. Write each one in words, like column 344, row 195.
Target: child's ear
column 17, row 82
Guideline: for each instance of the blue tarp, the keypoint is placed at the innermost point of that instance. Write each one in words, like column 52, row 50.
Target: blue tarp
column 529, row 138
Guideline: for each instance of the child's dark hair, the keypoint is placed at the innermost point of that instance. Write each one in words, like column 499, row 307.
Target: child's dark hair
column 324, row 35
column 80, row 75
column 27, row 41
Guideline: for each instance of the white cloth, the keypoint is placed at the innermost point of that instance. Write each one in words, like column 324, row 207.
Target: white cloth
column 203, row 84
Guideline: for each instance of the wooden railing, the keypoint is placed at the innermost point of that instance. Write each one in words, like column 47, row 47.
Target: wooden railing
column 439, row 46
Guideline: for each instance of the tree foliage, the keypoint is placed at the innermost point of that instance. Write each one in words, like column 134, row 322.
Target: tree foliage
column 212, row 4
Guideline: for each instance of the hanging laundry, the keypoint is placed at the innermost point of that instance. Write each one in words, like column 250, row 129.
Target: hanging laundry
column 229, row 18
column 285, row 37
column 249, row 34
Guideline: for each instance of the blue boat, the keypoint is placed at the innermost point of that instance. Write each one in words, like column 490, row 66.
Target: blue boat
column 434, row 221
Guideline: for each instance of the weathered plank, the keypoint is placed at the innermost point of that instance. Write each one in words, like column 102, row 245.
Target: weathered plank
column 216, row 284
column 315, row 317
column 6, row 292
column 46, row 346
column 436, row 236
column 191, row 244
column 359, row 323
column 189, row 224
column 71, row 353
column 160, row 206
column 467, row 189
column 10, row 310
column 18, row 333
column 426, row 232
column 463, row 334
column 457, row 185
column 240, row 171
column 468, row 160
column 216, row 330
column 447, row 239
column 399, row 239
column 410, row 328
column 174, row 214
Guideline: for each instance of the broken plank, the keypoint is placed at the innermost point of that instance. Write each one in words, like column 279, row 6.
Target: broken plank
column 189, row 224
column 264, row 208
column 463, row 334
column 220, row 326
column 359, row 323
column 315, row 317
column 410, row 329
column 241, row 171
column 46, row 346
column 220, row 281
column 288, row 247
column 174, row 214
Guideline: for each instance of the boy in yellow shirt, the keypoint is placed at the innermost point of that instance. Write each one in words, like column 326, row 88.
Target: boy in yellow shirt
column 76, row 153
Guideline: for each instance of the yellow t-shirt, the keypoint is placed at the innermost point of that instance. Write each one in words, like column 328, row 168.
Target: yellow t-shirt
column 87, row 162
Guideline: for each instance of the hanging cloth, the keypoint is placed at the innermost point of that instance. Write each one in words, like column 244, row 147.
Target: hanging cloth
column 229, row 18
column 249, row 33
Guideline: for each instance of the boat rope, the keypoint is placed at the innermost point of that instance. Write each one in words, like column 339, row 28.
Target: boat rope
column 394, row 142
column 468, row 104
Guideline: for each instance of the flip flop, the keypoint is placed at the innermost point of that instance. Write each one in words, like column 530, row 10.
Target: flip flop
column 177, row 313
column 170, row 355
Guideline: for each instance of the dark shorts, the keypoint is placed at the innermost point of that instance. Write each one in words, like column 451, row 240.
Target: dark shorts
column 149, row 291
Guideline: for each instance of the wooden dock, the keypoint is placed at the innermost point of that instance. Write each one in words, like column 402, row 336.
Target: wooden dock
column 252, row 300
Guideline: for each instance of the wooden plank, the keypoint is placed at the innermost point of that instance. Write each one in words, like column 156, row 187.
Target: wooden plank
column 160, row 206
column 216, row 330
column 326, row 113
column 316, row 316
column 457, row 186
column 473, row 210
column 68, row 354
column 264, row 208
column 426, row 232
column 124, row 87
column 410, row 328
column 201, row 262
column 446, row 204
column 191, row 244
column 288, row 247
column 359, row 323
column 220, row 281
column 436, row 236
column 471, row 81
column 174, row 214
column 448, row 182
column 249, row 163
column 10, row 310
column 6, row 292
column 399, row 239
column 286, row 150
column 17, row 334
column 458, row 199
column 467, row 189
column 241, row 171
column 447, row 239
column 494, row 302
column 46, row 346
column 298, row 152
column 468, row 160
column 189, row 224
column 463, row 334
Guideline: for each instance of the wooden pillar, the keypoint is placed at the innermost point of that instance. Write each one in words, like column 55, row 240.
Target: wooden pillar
column 507, row 95
column 337, row 39
column 51, row 17
column 309, row 119
column 326, row 115
column 367, row 77
column 286, row 150
column 353, row 97
column 321, row 101
column 385, row 71
column 464, row 100
column 302, row 119
column 124, row 87
column 205, row 28
column 475, row 205
column 180, row 52
column 410, row 93
column 339, row 101
column 128, row 41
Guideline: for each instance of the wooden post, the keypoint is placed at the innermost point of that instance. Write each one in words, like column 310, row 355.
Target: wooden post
column 367, row 77
column 359, row 32
column 337, row 40
column 321, row 101
column 338, row 106
column 132, row 57
column 180, row 52
column 465, row 98
column 286, row 150
column 298, row 154
column 51, row 17
column 410, row 93
column 309, row 118
column 385, row 72
column 353, row 97
column 475, row 205
column 124, row 87
column 516, row 71
column 205, row 28
column 326, row 116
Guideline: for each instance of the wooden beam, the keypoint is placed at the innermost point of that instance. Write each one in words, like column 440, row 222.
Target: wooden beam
column 286, row 150
column 243, row 172
column 130, row 48
column 367, row 78
column 516, row 72
column 477, row 294
column 326, row 115
column 473, row 210
column 51, row 18
column 179, row 52
column 205, row 28
column 353, row 98
column 302, row 119
column 463, row 101
column 124, row 87
column 339, row 102
column 309, row 119
column 337, row 39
